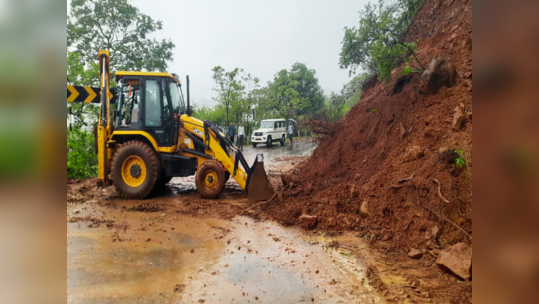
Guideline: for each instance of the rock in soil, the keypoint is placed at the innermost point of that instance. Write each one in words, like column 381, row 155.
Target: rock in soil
column 457, row 259
column 460, row 118
column 415, row 254
column 432, row 233
column 413, row 153
column 364, row 209
column 439, row 74
column 308, row 222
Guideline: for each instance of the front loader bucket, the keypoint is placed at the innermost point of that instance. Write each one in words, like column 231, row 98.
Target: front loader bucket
column 258, row 186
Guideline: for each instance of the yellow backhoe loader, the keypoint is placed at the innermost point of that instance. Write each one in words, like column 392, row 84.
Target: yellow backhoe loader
column 150, row 137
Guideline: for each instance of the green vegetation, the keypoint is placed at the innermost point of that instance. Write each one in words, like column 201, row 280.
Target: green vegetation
column 120, row 28
column 81, row 156
column 376, row 46
column 460, row 162
column 335, row 107
column 406, row 70
column 463, row 161
column 293, row 93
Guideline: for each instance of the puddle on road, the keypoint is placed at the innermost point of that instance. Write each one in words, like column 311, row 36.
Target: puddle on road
column 255, row 262
column 144, row 268
column 267, row 263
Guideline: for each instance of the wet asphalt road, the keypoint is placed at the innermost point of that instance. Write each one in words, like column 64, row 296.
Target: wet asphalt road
column 299, row 148
column 180, row 259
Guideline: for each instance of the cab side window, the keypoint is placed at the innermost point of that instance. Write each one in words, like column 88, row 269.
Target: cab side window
column 167, row 113
column 152, row 109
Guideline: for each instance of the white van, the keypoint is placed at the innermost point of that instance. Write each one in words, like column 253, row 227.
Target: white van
column 271, row 130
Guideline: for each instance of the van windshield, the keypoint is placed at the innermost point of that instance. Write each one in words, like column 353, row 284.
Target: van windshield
column 266, row 124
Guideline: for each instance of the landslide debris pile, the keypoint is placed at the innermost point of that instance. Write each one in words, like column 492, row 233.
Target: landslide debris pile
column 389, row 169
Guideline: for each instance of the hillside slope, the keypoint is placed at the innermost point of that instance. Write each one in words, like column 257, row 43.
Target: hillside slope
column 357, row 178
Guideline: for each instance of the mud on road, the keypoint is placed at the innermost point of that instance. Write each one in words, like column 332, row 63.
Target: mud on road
column 179, row 248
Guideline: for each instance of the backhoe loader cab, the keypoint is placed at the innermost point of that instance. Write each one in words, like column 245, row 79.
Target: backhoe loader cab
column 149, row 102
column 151, row 137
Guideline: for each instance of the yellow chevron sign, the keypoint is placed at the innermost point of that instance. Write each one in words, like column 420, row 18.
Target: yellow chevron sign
column 91, row 95
column 72, row 93
column 88, row 94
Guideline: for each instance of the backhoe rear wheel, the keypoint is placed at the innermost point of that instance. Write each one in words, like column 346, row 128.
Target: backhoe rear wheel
column 135, row 169
column 210, row 179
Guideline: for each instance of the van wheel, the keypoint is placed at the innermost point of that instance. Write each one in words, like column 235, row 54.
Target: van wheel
column 254, row 145
column 282, row 141
column 269, row 143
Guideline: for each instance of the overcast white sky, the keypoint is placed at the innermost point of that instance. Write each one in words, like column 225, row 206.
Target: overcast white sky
column 262, row 37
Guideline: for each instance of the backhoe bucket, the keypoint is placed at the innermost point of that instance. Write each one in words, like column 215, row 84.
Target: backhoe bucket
column 258, row 187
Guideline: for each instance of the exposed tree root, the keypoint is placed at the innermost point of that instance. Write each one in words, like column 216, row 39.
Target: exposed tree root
column 407, row 179
column 444, row 218
column 321, row 127
column 403, row 181
column 262, row 202
column 439, row 190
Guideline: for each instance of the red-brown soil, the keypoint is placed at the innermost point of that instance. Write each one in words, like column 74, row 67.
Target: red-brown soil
column 362, row 159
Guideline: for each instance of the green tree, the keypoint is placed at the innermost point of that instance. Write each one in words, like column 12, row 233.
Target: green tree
column 229, row 87
column 295, row 92
column 82, row 115
column 216, row 114
column 119, row 27
column 377, row 45
column 81, row 157
column 253, row 95
column 336, row 108
column 353, row 89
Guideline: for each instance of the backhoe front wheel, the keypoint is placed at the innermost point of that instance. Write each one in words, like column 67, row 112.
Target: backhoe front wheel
column 210, row 179
column 135, row 169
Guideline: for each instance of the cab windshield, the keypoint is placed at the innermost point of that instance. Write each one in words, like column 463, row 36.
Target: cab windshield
column 177, row 99
column 266, row 125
